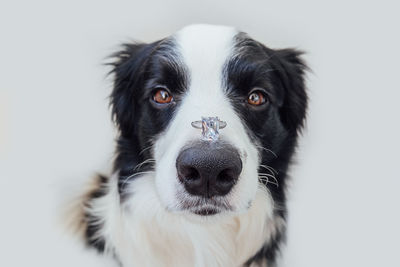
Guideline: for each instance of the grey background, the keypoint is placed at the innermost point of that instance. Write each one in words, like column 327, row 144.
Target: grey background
column 55, row 128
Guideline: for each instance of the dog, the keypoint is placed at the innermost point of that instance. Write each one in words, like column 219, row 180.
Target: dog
column 208, row 121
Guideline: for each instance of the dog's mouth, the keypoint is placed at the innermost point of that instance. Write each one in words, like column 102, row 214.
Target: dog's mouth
column 206, row 211
column 206, row 207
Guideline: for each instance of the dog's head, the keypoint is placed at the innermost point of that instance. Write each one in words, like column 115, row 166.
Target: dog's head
column 163, row 90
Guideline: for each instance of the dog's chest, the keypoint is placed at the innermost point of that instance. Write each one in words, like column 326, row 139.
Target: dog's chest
column 147, row 235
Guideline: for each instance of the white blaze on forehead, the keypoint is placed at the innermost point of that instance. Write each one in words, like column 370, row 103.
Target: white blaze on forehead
column 205, row 49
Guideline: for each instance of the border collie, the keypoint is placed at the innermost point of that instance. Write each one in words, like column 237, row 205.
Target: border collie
column 208, row 121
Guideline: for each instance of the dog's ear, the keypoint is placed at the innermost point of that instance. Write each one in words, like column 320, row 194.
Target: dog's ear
column 291, row 69
column 128, row 68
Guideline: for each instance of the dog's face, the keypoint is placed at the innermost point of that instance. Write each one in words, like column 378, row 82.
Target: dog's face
column 207, row 71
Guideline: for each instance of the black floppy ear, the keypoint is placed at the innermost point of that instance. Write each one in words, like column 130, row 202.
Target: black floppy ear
column 291, row 71
column 128, row 70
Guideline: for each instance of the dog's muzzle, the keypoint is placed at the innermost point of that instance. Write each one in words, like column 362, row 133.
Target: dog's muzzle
column 208, row 169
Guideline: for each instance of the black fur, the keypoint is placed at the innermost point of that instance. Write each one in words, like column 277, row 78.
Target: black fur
column 92, row 222
column 275, row 126
column 138, row 69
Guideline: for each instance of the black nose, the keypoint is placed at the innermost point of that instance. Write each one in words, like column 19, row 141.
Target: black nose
column 209, row 169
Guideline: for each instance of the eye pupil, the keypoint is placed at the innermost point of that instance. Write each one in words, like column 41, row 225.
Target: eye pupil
column 162, row 96
column 256, row 98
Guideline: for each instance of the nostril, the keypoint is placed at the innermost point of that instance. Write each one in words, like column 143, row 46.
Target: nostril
column 226, row 177
column 192, row 174
column 188, row 173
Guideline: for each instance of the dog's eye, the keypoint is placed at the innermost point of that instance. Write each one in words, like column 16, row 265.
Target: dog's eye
column 162, row 96
column 256, row 98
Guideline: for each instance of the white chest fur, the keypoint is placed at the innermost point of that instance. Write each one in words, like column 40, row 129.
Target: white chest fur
column 142, row 233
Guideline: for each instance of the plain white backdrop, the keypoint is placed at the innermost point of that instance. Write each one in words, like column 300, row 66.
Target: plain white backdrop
column 55, row 128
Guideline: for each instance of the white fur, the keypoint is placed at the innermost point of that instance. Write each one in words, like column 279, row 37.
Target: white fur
column 143, row 233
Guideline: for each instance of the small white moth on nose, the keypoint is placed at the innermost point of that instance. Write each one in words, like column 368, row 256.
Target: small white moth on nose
column 210, row 127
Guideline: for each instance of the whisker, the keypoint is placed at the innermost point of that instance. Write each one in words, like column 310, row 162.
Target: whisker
column 134, row 175
column 146, row 148
column 267, row 176
column 265, row 179
column 151, row 160
column 269, row 168
column 268, row 150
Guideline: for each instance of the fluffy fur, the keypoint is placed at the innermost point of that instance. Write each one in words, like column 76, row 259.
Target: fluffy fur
column 142, row 214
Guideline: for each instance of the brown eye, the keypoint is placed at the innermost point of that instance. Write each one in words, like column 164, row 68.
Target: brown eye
column 256, row 98
column 162, row 97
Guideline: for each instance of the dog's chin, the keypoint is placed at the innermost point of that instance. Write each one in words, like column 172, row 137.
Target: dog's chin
column 205, row 213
